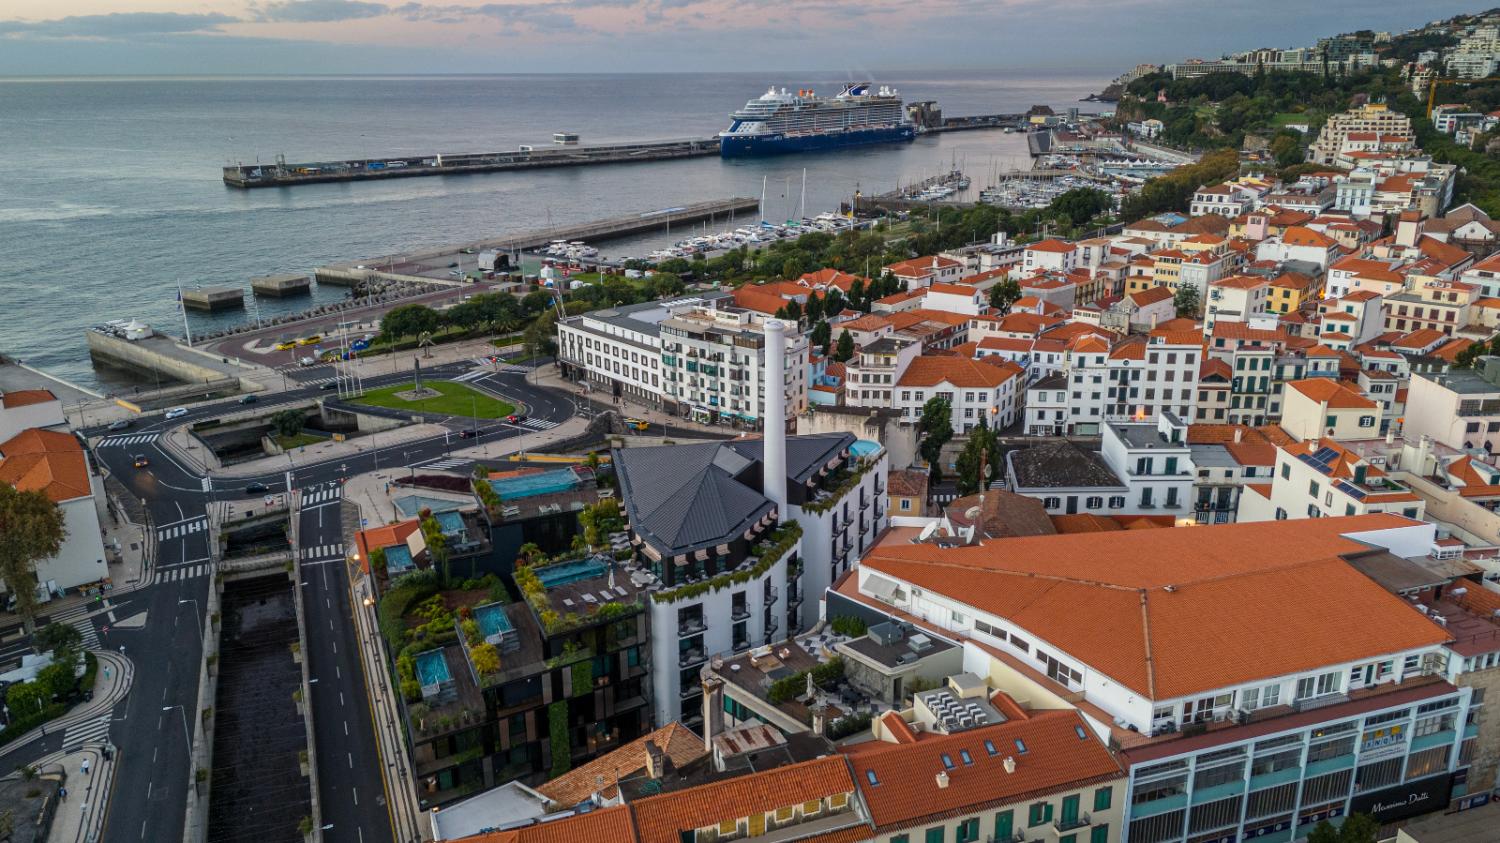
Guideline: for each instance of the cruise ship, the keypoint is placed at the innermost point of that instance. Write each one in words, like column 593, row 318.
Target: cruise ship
column 778, row 121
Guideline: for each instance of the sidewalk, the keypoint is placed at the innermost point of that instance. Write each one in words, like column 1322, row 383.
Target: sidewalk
column 89, row 779
column 187, row 451
column 547, row 376
column 111, row 684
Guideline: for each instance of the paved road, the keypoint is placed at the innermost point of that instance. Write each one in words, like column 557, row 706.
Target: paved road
column 153, row 773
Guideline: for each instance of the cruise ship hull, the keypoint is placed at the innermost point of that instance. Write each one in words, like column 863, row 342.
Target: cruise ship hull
column 775, row 143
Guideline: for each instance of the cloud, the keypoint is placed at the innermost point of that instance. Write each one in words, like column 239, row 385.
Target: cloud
column 316, row 11
column 116, row 25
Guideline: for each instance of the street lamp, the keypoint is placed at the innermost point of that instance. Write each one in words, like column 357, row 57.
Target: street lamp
column 196, row 609
column 185, row 733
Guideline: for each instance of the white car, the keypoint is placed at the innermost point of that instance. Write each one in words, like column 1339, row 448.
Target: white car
column 177, row 412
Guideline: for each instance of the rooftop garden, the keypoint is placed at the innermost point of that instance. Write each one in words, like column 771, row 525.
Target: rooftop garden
column 766, row 553
column 554, row 622
column 420, row 614
column 840, row 483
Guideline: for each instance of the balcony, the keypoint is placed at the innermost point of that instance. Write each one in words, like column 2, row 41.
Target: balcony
column 690, row 627
column 691, row 690
column 772, row 594
column 691, row 657
column 1062, row 824
column 740, row 612
column 741, row 644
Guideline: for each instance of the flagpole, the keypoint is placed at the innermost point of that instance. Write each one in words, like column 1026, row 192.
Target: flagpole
column 181, row 305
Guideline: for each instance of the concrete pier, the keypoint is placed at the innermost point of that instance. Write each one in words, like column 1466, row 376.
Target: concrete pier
column 161, row 356
column 281, row 286
column 214, row 298
column 282, row 174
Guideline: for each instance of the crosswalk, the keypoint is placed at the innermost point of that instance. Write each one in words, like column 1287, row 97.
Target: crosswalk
column 90, row 636
column 323, row 551
column 321, row 494
column 122, row 441
column 87, row 732
column 188, row 571
column 538, row 424
column 450, row 464
column 172, row 531
column 316, row 381
column 490, row 367
column 472, row 376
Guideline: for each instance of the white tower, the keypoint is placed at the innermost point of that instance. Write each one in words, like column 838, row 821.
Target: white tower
column 774, row 481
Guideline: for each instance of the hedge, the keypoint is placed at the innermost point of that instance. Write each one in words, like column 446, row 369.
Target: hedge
column 22, row 725
column 557, row 727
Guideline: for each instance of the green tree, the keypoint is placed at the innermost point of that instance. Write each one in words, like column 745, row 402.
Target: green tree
column 288, row 422
column 845, row 350
column 25, row 698
column 936, row 427
column 1004, row 294
column 408, row 320
column 467, row 315
column 1079, row 205
column 541, row 335
column 981, row 450
column 1287, row 147
column 1465, row 359
column 536, row 301
column 1186, row 301
column 1359, row 828
column 31, row 529
column 56, row 636
column 822, row 333
column 60, row 678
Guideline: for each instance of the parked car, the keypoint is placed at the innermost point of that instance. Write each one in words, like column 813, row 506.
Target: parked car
column 467, row 434
column 312, row 340
column 248, row 399
column 286, row 346
column 306, row 361
column 122, row 424
column 329, row 385
column 177, row 412
column 516, row 419
column 255, row 488
column 140, row 461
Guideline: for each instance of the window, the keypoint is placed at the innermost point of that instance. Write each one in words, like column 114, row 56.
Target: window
column 989, row 746
column 1094, row 502
column 1020, row 747
column 1117, row 502
column 964, row 756
column 1099, row 834
column 1051, row 503
column 900, row 838
column 968, row 830
column 1039, row 813
column 935, row 835
column 1366, row 421
column 1102, row 798
column 947, row 761
column 871, row 778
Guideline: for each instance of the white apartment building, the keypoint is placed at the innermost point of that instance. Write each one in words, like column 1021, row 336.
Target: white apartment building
column 1459, row 408
column 1135, row 380
column 871, row 374
column 1051, row 254
column 1367, row 118
column 1320, row 478
column 1238, row 298
column 1237, row 696
column 979, row 392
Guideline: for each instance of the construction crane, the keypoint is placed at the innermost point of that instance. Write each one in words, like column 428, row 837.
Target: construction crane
column 1433, row 86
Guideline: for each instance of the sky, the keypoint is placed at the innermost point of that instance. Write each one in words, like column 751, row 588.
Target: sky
column 203, row 37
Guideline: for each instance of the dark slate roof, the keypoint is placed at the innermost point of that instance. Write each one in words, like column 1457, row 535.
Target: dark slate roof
column 804, row 454
column 680, row 498
column 1060, row 465
column 684, row 497
column 1004, row 514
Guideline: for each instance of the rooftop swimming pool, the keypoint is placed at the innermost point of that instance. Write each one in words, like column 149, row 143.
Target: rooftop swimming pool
column 432, row 668
column 541, row 483
column 398, row 559
column 864, row 448
column 567, row 572
column 492, row 620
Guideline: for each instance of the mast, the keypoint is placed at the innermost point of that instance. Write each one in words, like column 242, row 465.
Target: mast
column 763, row 198
column 802, row 215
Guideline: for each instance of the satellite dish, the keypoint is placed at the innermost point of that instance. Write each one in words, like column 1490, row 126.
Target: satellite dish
column 972, row 513
column 927, row 532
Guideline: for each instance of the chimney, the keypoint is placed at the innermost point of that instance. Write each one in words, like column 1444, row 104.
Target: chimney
column 1239, row 434
column 942, row 779
column 1010, row 764
column 773, row 462
column 655, row 761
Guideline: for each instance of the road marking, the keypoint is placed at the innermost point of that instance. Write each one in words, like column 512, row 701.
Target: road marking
column 182, row 528
column 119, row 441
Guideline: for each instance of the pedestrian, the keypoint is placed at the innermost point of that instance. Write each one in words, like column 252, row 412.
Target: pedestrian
column 85, row 766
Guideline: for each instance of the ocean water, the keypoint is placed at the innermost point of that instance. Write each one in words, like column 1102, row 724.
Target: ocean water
column 110, row 190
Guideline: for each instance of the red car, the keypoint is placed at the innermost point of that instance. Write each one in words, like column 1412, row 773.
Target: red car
column 515, row 419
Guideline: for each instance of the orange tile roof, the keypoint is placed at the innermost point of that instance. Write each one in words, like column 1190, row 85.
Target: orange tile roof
column 832, row 277
column 26, row 397
column 752, row 297
column 919, row 267
column 1051, row 245
column 46, row 461
column 1150, row 296
column 1111, row 607
column 1241, row 282
column 966, row 372
column 1297, row 235
column 607, row 824
column 1085, row 522
column 662, row 819
column 1056, row 759
column 577, row 785
column 1420, row 338
column 386, row 535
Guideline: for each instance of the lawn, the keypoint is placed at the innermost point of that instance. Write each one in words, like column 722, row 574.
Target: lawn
column 290, row 442
column 456, row 400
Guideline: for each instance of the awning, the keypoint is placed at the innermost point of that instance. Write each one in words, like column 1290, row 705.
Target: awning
column 723, row 550
column 651, row 552
column 680, row 560
column 701, row 554
column 750, row 534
